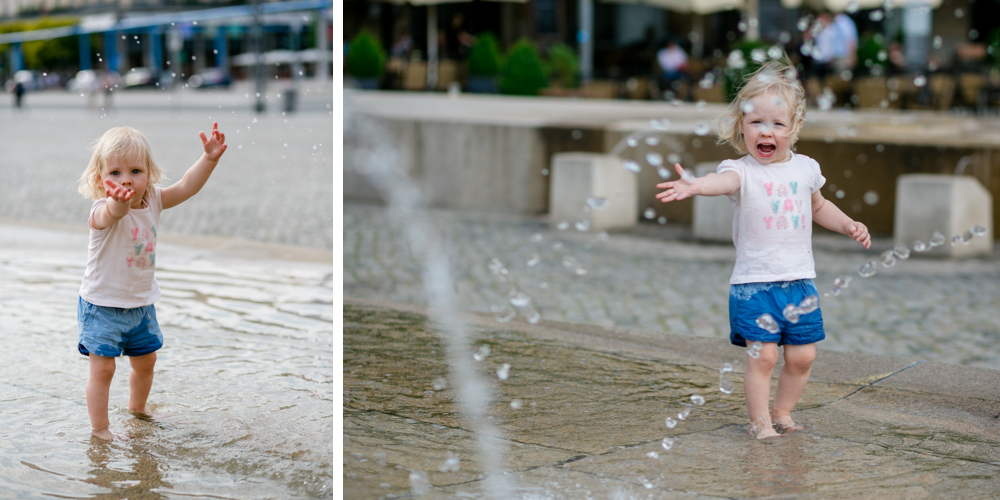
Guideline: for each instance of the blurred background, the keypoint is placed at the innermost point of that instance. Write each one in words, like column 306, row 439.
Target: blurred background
column 666, row 49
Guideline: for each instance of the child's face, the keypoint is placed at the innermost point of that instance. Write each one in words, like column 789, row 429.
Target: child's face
column 766, row 127
column 131, row 173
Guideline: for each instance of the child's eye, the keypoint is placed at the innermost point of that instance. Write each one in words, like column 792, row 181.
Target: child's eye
column 114, row 172
column 135, row 170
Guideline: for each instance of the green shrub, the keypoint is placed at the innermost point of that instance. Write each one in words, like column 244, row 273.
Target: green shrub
column 484, row 57
column 523, row 73
column 872, row 55
column 735, row 74
column 45, row 54
column 564, row 65
column 366, row 58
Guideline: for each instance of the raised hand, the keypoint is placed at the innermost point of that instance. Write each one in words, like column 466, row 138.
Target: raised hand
column 859, row 232
column 118, row 192
column 679, row 189
column 215, row 145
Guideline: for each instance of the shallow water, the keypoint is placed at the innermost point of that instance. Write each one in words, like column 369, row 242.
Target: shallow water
column 242, row 395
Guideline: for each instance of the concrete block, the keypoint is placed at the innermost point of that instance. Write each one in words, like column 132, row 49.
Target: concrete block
column 713, row 215
column 575, row 177
column 946, row 203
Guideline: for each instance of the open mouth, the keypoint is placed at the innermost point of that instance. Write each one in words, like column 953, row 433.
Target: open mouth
column 766, row 150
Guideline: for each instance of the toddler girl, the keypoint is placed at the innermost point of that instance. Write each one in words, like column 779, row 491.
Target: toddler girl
column 115, row 310
column 776, row 196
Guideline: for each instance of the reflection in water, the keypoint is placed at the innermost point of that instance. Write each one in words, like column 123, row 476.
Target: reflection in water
column 241, row 400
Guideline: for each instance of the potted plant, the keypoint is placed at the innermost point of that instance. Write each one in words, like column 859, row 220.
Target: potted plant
column 564, row 66
column 484, row 64
column 366, row 60
column 523, row 72
column 745, row 58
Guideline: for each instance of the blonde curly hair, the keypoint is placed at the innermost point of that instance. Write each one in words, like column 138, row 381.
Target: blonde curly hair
column 124, row 144
column 774, row 77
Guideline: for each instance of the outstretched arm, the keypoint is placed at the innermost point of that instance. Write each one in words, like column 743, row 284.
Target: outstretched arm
column 196, row 176
column 829, row 216
column 117, row 206
column 712, row 184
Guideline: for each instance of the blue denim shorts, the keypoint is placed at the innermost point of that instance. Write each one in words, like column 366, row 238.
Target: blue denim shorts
column 748, row 301
column 113, row 331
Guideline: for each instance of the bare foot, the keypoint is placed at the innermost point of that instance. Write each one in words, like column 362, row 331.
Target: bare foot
column 103, row 433
column 765, row 432
column 786, row 425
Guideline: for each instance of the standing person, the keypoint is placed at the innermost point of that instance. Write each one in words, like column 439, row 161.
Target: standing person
column 115, row 310
column 673, row 64
column 18, row 95
column 835, row 46
column 775, row 194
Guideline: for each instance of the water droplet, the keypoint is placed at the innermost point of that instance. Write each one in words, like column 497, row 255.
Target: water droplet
column 684, row 414
column 582, row 226
column 631, row 166
column 876, row 15
column 632, row 141
column 811, row 303
column 516, row 404
column 671, row 423
column 520, row 299
column 452, row 464
column 653, row 454
column 747, row 106
column 581, row 271
column 667, row 443
column 532, row 315
column 726, row 368
column 568, row 261
column 791, row 313
column 652, row 140
column 673, row 158
column 495, row 266
column 920, row 80
column 956, row 239
column 868, row 269
column 537, row 237
column 439, row 384
column 701, row 129
column 754, row 350
column 654, row 159
column 661, row 124
column 484, row 350
column 597, row 203
column 503, row 373
column 664, row 172
column 726, row 386
column 562, row 225
column 870, row 197
column 767, row 322
column 534, row 260
column 978, row 230
column 919, row 246
column 603, row 236
column 937, row 239
column 649, row 213
column 967, row 237
column 661, row 220
column 557, row 246
column 687, row 176
column 697, row 400
column 852, row 7
column 901, row 252
column 504, row 315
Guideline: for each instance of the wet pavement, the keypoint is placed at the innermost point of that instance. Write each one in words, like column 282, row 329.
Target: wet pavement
column 657, row 278
column 581, row 414
column 242, row 390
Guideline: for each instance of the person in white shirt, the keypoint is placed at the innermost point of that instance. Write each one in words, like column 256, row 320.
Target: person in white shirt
column 673, row 65
column 775, row 194
column 115, row 309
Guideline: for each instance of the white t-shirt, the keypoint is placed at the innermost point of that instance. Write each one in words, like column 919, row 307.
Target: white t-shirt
column 772, row 219
column 121, row 258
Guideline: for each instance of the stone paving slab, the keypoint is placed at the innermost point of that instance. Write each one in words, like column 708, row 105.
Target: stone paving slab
column 591, row 419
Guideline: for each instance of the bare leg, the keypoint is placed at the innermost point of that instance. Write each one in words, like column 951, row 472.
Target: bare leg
column 102, row 370
column 791, row 383
column 757, row 389
column 140, row 381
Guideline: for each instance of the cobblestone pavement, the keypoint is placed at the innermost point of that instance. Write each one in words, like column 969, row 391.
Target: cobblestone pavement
column 274, row 184
column 655, row 277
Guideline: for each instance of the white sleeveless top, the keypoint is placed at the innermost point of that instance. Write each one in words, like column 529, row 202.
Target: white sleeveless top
column 121, row 258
